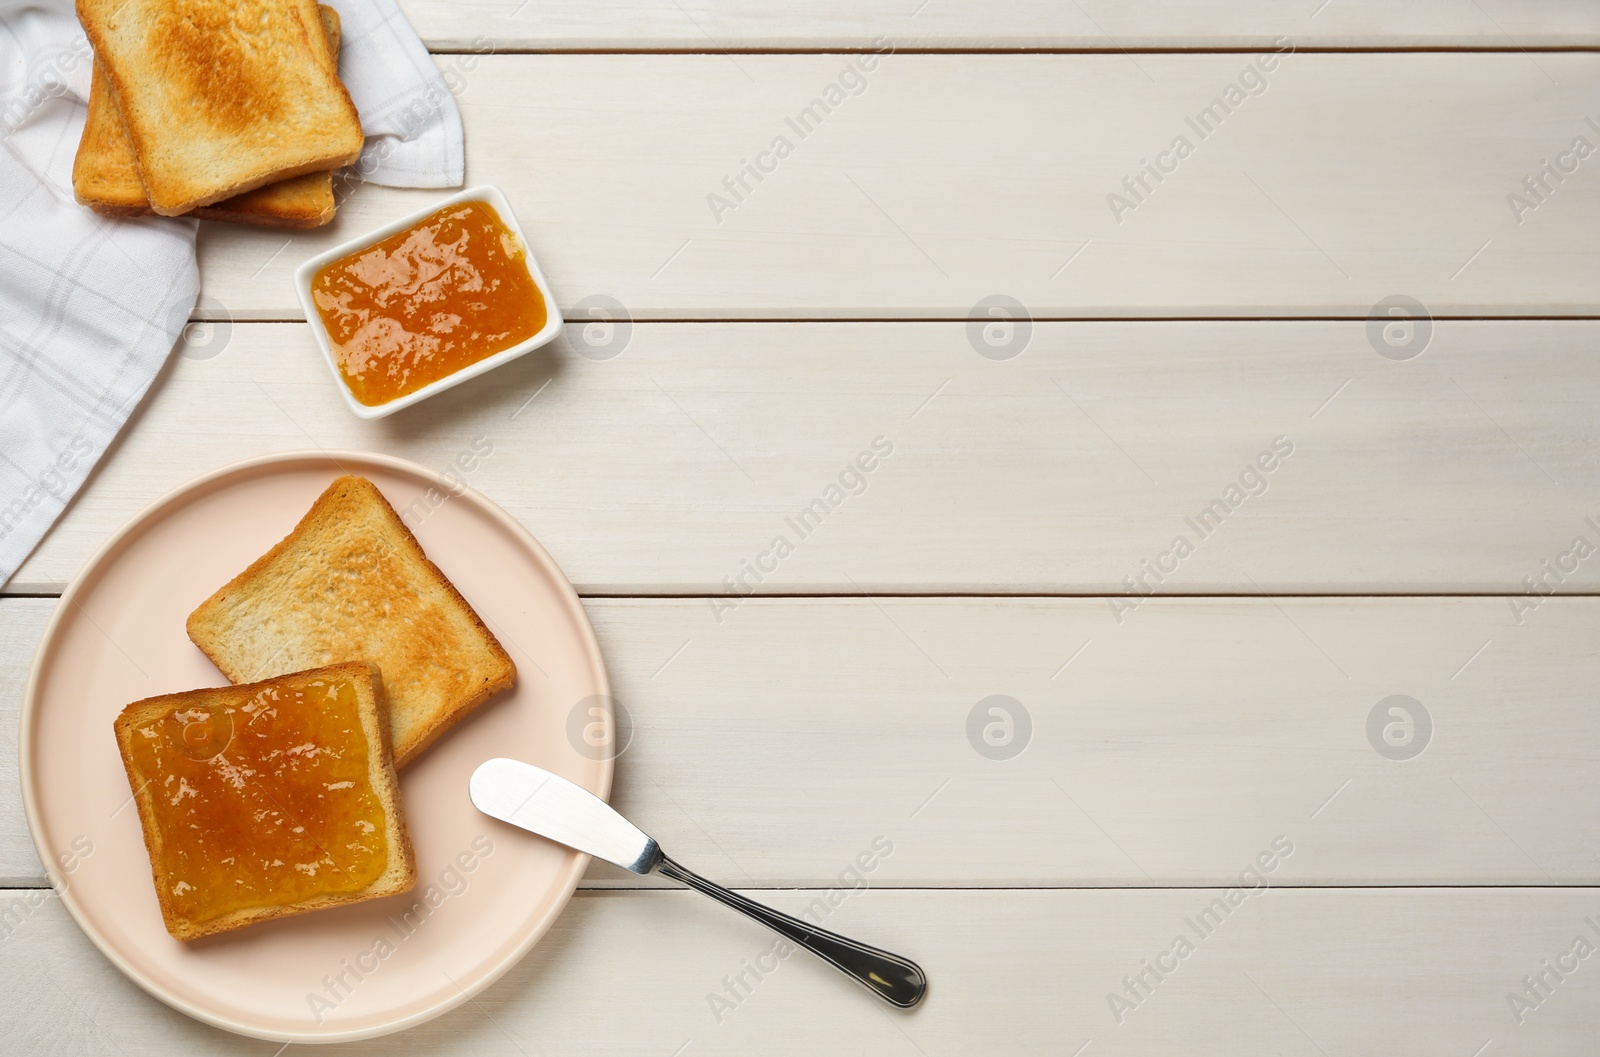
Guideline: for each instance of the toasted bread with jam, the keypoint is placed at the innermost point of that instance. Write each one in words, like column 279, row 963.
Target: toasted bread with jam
column 218, row 98
column 352, row 583
column 267, row 799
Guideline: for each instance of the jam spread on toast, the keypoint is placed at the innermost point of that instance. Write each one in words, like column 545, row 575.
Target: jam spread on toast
column 264, row 804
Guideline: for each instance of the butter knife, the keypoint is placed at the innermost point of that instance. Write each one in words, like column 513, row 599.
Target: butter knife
column 549, row 805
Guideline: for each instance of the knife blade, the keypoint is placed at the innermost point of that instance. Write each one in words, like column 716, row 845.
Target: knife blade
column 549, row 805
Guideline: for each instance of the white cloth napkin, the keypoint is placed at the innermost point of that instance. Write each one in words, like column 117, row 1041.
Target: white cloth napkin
column 410, row 118
column 90, row 307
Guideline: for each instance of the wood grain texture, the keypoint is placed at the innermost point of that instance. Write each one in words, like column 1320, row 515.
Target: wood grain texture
column 1336, row 181
column 1172, row 749
column 1174, row 744
column 705, row 25
column 1300, row 973
column 1066, row 469
column 22, row 621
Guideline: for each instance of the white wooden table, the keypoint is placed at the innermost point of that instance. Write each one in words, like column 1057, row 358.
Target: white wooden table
column 1428, row 489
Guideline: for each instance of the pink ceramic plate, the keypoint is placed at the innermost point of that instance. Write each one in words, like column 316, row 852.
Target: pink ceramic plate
column 484, row 895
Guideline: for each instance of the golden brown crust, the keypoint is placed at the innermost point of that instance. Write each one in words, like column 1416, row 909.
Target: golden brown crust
column 104, row 176
column 388, row 785
column 397, row 877
column 204, row 630
column 419, row 742
column 299, row 203
column 134, row 714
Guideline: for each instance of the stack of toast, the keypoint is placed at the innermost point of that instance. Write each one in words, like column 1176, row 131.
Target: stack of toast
column 227, row 111
column 350, row 653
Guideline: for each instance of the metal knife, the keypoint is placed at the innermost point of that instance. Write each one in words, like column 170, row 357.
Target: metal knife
column 553, row 807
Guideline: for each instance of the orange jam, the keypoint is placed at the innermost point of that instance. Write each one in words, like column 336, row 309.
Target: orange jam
column 262, row 805
column 428, row 301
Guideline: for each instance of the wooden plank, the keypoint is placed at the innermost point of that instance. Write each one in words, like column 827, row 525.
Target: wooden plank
column 21, row 623
column 669, row 467
column 1171, row 749
column 1330, row 182
column 1291, row 971
column 630, row 24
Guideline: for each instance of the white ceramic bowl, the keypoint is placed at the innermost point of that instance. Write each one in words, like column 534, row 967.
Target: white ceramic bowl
column 484, row 193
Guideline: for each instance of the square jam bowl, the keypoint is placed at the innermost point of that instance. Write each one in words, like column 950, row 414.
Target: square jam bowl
column 485, row 193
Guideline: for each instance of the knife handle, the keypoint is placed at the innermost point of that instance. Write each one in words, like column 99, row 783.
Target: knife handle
column 896, row 980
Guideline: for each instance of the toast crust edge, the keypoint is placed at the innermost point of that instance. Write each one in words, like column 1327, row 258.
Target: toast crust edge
column 222, row 211
column 94, row 183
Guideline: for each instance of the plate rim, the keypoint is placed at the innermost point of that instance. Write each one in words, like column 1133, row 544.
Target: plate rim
column 568, row 881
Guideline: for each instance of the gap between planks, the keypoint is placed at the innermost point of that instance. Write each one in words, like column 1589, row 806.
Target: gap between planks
column 1006, row 596
column 202, row 317
column 8, row 890
column 1019, row 49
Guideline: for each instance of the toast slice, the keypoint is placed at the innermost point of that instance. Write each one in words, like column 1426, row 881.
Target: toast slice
column 105, row 175
column 352, row 583
column 219, row 97
column 299, row 202
column 267, row 799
